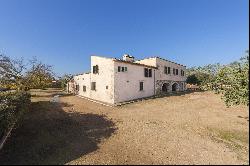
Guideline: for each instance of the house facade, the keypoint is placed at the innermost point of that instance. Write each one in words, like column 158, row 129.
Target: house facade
column 114, row 80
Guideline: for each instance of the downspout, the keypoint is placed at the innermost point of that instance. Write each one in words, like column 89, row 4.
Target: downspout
column 154, row 81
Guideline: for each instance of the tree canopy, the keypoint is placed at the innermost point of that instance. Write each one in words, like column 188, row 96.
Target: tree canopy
column 15, row 74
column 232, row 80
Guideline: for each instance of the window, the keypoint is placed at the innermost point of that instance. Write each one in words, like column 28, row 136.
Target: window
column 84, row 88
column 77, row 87
column 145, row 72
column 168, row 70
column 176, row 72
column 182, row 73
column 95, row 69
column 149, row 72
column 141, row 86
column 107, row 87
column 93, row 85
column 122, row 69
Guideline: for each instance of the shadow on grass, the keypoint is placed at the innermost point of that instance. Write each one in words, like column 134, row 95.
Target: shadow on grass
column 49, row 135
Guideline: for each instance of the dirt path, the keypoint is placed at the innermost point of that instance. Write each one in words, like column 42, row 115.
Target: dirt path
column 195, row 128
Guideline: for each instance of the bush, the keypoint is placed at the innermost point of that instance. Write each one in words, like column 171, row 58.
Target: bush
column 12, row 106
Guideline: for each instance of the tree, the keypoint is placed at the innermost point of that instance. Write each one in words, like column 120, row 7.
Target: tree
column 233, row 82
column 39, row 75
column 192, row 79
column 11, row 72
column 65, row 79
column 204, row 75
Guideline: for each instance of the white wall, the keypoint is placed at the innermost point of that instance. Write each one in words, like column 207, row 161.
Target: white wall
column 83, row 80
column 127, row 84
column 160, row 75
column 124, row 86
column 104, row 78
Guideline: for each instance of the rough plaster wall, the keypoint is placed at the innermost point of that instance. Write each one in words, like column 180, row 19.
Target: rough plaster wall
column 124, row 86
column 83, row 80
column 127, row 83
column 162, row 78
column 160, row 75
column 104, row 78
column 171, row 78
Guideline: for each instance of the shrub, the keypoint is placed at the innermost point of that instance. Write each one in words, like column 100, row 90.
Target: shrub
column 12, row 106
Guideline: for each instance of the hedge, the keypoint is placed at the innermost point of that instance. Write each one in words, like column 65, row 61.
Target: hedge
column 12, row 106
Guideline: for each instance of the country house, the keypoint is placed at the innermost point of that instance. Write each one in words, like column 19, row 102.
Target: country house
column 114, row 80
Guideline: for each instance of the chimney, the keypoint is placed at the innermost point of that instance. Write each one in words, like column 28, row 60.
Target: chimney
column 127, row 57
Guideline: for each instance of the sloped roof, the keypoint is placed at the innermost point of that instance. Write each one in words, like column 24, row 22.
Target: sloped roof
column 134, row 63
column 164, row 60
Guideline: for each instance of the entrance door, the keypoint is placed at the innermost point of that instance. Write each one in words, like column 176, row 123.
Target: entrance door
column 165, row 87
column 174, row 87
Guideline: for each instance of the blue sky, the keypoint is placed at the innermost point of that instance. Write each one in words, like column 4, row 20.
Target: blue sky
column 64, row 33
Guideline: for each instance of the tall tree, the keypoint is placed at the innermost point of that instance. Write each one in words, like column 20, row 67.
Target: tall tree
column 233, row 82
column 65, row 79
column 40, row 75
column 11, row 72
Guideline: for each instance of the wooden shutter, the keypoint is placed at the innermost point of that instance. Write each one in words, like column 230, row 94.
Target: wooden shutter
column 97, row 69
column 141, row 86
column 93, row 85
column 145, row 72
column 165, row 70
column 149, row 72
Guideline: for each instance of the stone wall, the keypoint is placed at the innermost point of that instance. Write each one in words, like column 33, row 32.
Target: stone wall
column 159, row 83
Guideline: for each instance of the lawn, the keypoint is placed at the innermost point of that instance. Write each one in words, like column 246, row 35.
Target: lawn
column 194, row 128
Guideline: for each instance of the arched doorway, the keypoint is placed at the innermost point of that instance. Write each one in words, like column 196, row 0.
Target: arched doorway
column 165, row 87
column 175, row 87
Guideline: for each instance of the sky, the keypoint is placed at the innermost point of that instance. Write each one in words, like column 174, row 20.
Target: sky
column 65, row 33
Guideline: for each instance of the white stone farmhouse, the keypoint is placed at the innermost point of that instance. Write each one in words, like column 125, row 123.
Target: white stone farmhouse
column 114, row 80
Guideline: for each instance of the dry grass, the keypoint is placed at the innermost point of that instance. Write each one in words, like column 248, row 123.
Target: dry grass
column 195, row 128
